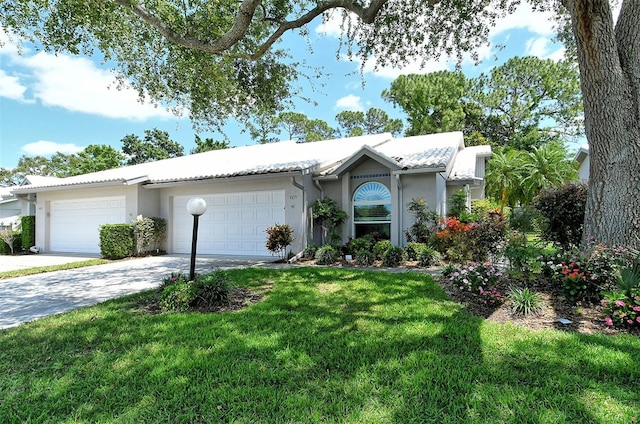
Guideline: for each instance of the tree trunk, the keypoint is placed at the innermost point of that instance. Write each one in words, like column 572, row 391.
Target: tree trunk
column 609, row 60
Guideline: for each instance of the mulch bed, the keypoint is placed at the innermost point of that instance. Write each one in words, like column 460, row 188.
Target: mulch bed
column 586, row 318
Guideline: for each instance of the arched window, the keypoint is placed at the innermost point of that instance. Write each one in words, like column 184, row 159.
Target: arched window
column 372, row 210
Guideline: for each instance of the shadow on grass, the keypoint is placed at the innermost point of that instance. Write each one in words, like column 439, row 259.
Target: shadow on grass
column 325, row 345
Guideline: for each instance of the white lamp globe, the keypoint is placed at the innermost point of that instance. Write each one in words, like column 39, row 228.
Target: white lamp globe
column 196, row 206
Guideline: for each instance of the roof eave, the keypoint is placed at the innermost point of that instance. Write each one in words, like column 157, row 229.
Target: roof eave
column 28, row 189
column 177, row 183
column 422, row 170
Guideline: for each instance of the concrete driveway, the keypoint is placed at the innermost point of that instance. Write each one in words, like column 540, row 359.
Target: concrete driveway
column 28, row 298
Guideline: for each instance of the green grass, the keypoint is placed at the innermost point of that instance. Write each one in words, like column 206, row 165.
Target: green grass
column 50, row 268
column 325, row 345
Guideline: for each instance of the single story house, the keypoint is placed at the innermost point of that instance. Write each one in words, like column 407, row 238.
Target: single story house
column 248, row 189
column 11, row 209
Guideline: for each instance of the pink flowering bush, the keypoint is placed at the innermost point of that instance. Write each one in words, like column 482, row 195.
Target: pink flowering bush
column 622, row 310
column 477, row 278
column 491, row 296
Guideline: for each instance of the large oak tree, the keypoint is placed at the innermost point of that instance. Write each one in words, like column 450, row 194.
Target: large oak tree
column 219, row 58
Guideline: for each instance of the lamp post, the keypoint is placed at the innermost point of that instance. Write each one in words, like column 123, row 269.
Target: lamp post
column 196, row 207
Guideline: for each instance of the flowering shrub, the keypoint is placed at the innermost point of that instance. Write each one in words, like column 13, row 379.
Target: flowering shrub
column 576, row 283
column 453, row 241
column 584, row 276
column 475, row 277
column 491, row 297
column 622, row 310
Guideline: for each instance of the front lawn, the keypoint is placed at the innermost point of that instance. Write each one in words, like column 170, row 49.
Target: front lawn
column 324, row 345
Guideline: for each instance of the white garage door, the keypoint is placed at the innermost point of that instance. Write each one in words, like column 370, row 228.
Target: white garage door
column 234, row 223
column 74, row 225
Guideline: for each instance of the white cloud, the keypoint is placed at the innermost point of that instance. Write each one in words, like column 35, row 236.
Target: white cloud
column 76, row 84
column 69, row 82
column 45, row 148
column 350, row 102
column 11, row 88
column 543, row 47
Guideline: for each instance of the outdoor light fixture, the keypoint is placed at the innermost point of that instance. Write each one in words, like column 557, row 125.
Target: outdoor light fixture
column 196, row 207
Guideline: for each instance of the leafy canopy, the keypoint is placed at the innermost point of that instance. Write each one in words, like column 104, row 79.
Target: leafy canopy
column 221, row 59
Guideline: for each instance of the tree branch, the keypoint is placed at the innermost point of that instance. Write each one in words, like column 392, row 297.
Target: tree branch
column 219, row 46
column 243, row 20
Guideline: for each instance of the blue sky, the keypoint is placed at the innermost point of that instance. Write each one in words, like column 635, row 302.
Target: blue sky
column 64, row 103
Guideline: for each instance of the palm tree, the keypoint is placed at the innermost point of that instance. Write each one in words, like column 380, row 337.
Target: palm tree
column 546, row 166
column 505, row 173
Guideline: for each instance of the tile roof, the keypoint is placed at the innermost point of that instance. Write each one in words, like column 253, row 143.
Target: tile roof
column 464, row 167
column 424, row 151
column 434, row 151
column 246, row 160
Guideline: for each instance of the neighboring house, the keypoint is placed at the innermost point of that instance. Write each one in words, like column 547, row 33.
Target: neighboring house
column 248, row 189
column 582, row 158
column 11, row 209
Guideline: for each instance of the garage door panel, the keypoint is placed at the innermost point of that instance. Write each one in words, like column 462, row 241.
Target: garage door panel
column 233, row 224
column 75, row 224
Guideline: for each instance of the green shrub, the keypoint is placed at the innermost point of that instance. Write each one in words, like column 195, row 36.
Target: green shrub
column 28, row 231
column 563, row 211
column 523, row 301
column 279, row 237
column 178, row 296
column 364, row 257
column 326, row 255
column 213, row 289
column 310, row 251
column 414, row 249
column 380, row 247
column 393, row 257
column 429, row 257
column 524, row 259
column 116, row 241
column 361, row 243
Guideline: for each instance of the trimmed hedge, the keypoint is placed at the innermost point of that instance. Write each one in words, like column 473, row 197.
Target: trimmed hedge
column 28, row 231
column 116, row 241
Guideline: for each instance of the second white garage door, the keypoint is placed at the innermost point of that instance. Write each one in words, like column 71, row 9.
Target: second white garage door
column 234, row 223
column 75, row 224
